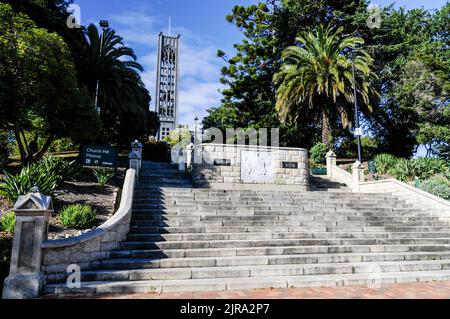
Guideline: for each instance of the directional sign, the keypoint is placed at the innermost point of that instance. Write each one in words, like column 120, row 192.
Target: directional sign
column 99, row 156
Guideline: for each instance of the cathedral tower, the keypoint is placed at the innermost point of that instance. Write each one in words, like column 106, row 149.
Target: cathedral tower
column 167, row 84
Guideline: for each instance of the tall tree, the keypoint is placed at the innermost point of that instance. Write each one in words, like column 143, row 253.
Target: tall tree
column 316, row 77
column 39, row 88
column 123, row 98
column 268, row 28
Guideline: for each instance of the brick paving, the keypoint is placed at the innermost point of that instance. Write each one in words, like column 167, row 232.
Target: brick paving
column 432, row 290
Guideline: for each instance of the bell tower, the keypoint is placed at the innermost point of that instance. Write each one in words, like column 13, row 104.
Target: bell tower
column 167, row 84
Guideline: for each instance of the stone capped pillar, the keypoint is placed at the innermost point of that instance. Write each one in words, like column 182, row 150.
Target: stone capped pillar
column 26, row 279
column 189, row 157
column 137, row 147
column 331, row 162
column 135, row 162
column 358, row 175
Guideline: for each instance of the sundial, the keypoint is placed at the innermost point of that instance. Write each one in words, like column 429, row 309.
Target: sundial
column 256, row 166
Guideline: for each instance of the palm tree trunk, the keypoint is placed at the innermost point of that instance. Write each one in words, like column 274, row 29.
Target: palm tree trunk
column 326, row 129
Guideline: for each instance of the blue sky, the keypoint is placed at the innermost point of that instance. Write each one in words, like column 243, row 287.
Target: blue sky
column 203, row 28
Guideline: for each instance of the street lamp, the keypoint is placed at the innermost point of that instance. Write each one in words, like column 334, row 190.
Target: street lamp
column 358, row 131
column 104, row 24
column 195, row 130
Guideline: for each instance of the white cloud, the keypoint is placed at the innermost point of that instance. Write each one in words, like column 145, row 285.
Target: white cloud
column 135, row 28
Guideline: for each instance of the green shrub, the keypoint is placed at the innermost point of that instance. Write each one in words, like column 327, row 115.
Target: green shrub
column 8, row 222
column 318, row 153
column 103, row 176
column 77, row 216
column 47, row 174
column 403, row 170
column 424, row 168
column 384, row 162
column 437, row 186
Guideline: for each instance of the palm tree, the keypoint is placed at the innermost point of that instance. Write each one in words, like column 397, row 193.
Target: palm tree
column 316, row 76
column 122, row 94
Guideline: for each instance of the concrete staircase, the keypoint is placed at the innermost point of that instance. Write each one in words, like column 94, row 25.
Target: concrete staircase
column 185, row 239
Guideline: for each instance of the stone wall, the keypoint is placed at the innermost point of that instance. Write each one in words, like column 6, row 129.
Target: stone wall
column 239, row 166
column 91, row 247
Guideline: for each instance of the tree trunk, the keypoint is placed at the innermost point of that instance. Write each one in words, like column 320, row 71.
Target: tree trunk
column 326, row 130
column 23, row 152
column 44, row 149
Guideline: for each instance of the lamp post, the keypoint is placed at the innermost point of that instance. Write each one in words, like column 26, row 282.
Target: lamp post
column 358, row 131
column 195, row 130
column 104, row 24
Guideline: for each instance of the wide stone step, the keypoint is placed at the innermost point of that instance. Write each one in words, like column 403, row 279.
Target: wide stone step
column 283, row 235
column 250, row 216
column 162, row 229
column 303, row 264
column 197, row 192
column 265, row 236
column 279, row 242
column 376, row 264
column 249, row 283
column 235, row 221
column 268, row 251
column 312, row 214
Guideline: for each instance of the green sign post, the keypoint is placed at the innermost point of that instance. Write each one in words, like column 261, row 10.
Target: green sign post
column 99, row 156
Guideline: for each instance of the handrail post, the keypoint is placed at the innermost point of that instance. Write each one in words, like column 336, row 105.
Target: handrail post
column 135, row 158
column 331, row 163
column 358, row 176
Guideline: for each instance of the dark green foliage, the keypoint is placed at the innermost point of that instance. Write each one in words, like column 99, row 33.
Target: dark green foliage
column 403, row 170
column 348, row 148
column 384, row 162
column 156, row 152
column 422, row 168
column 103, row 176
column 39, row 89
column 77, row 217
column 5, row 256
column 8, row 222
column 47, row 174
column 123, row 99
column 318, row 153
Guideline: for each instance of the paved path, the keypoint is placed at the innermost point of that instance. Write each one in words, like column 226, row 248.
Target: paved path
column 433, row 290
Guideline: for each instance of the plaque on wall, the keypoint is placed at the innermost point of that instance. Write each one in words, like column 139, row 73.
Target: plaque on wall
column 256, row 166
column 290, row 165
column 222, row 162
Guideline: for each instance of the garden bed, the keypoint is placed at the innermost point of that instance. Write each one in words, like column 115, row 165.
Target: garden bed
column 82, row 190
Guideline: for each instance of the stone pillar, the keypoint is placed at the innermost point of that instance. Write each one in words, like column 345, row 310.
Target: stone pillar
column 137, row 148
column 358, row 175
column 33, row 213
column 189, row 157
column 331, row 162
column 135, row 163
